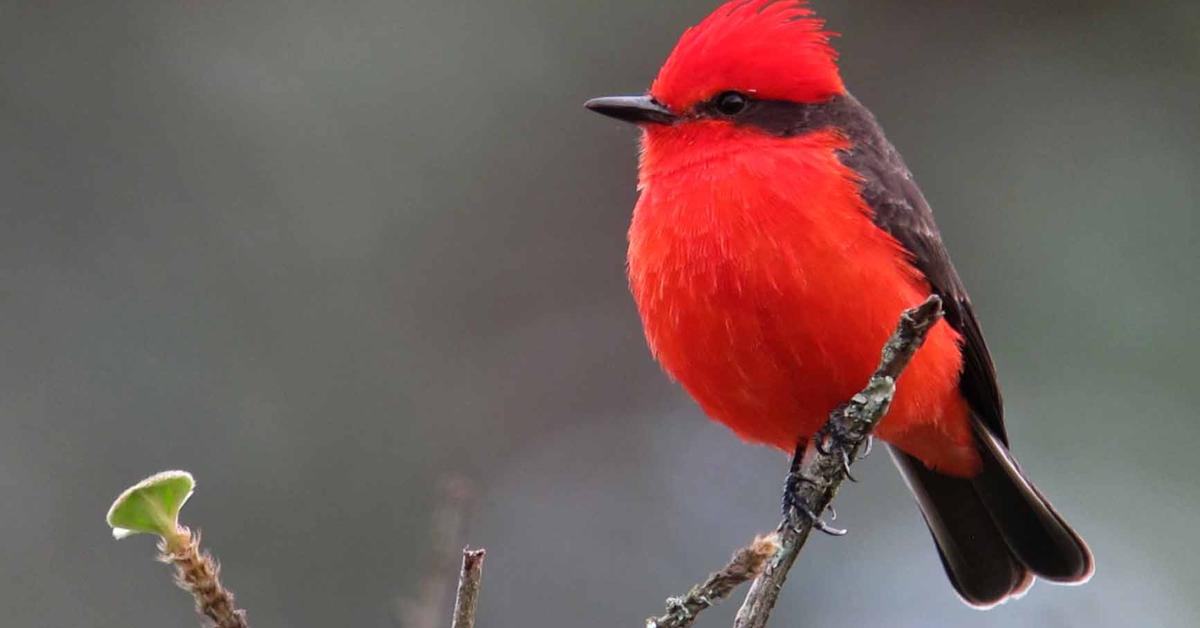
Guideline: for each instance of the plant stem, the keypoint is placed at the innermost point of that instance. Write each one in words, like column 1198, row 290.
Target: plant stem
column 198, row 573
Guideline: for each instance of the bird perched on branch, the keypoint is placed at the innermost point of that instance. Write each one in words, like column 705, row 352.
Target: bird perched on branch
column 777, row 237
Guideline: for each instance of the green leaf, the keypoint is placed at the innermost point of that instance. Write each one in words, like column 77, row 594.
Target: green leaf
column 152, row 505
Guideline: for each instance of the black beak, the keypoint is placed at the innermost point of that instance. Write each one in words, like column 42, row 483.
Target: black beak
column 635, row 109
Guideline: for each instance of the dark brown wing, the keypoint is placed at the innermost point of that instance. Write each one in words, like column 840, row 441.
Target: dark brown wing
column 993, row 531
column 996, row 530
column 901, row 210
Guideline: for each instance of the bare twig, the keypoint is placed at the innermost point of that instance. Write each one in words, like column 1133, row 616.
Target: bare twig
column 468, row 588
column 824, row 471
column 196, row 572
column 746, row 563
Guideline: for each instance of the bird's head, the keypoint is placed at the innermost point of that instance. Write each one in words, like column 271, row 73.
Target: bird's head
column 727, row 71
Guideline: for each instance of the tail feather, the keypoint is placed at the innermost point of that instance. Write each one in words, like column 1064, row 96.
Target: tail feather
column 1035, row 532
column 974, row 553
column 994, row 532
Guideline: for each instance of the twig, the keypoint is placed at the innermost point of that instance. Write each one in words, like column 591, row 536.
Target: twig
column 468, row 588
column 196, row 572
column 823, row 472
column 746, row 563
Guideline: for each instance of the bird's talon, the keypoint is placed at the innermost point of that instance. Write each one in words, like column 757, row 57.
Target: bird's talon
column 828, row 529
column 790, row 488
column 870, row 443
column 798, row 508
column 846, row 465
column 818, row 523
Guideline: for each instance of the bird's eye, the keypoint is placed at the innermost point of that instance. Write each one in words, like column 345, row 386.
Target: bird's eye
column 731, row 103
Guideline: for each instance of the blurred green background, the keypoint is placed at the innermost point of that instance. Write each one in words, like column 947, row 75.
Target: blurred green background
column 358, row 248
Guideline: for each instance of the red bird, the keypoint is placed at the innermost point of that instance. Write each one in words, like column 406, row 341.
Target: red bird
column 777, row 237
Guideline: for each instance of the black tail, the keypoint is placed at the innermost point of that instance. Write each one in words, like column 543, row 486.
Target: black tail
column 995, row 532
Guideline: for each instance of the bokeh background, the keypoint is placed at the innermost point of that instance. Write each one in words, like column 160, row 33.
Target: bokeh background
column 333, row 256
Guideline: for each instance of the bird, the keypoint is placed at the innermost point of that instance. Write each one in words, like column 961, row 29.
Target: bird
column 776, row 239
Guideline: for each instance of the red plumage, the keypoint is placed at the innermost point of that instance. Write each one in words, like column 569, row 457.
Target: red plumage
column 739, row 248
column 777, row 237
column 774, row 50
column 767, row 291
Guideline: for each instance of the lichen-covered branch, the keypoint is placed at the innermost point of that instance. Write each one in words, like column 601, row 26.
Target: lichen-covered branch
column 823, row 469
column 746, row 563
column 469, row 579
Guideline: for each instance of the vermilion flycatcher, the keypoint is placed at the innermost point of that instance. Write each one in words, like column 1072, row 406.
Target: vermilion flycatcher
column 776, row 240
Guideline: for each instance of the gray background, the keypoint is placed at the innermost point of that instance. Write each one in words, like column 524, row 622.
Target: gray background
column 325, row 255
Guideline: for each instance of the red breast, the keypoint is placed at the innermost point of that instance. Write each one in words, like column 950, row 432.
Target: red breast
column 767, row 291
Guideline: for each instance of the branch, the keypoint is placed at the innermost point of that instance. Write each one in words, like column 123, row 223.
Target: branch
column 822, row 472
column 746, row 563
column 468, row 588
column 197, row 573
column 152, row 507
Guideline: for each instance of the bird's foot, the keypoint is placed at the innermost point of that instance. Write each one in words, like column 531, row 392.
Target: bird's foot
column 799, row 511
column 797, row 507
column 867, row 447
column 676, row 606
column 791, row 490
column 833, row 440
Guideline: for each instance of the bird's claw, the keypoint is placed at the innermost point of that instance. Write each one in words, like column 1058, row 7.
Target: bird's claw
column 791, row 489
column 867, row 447
column 802, row 510
column 830, row 440
column 846, row 465
column 795, row 506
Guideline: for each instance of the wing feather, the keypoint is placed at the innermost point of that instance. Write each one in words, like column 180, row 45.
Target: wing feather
column 901, row 210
